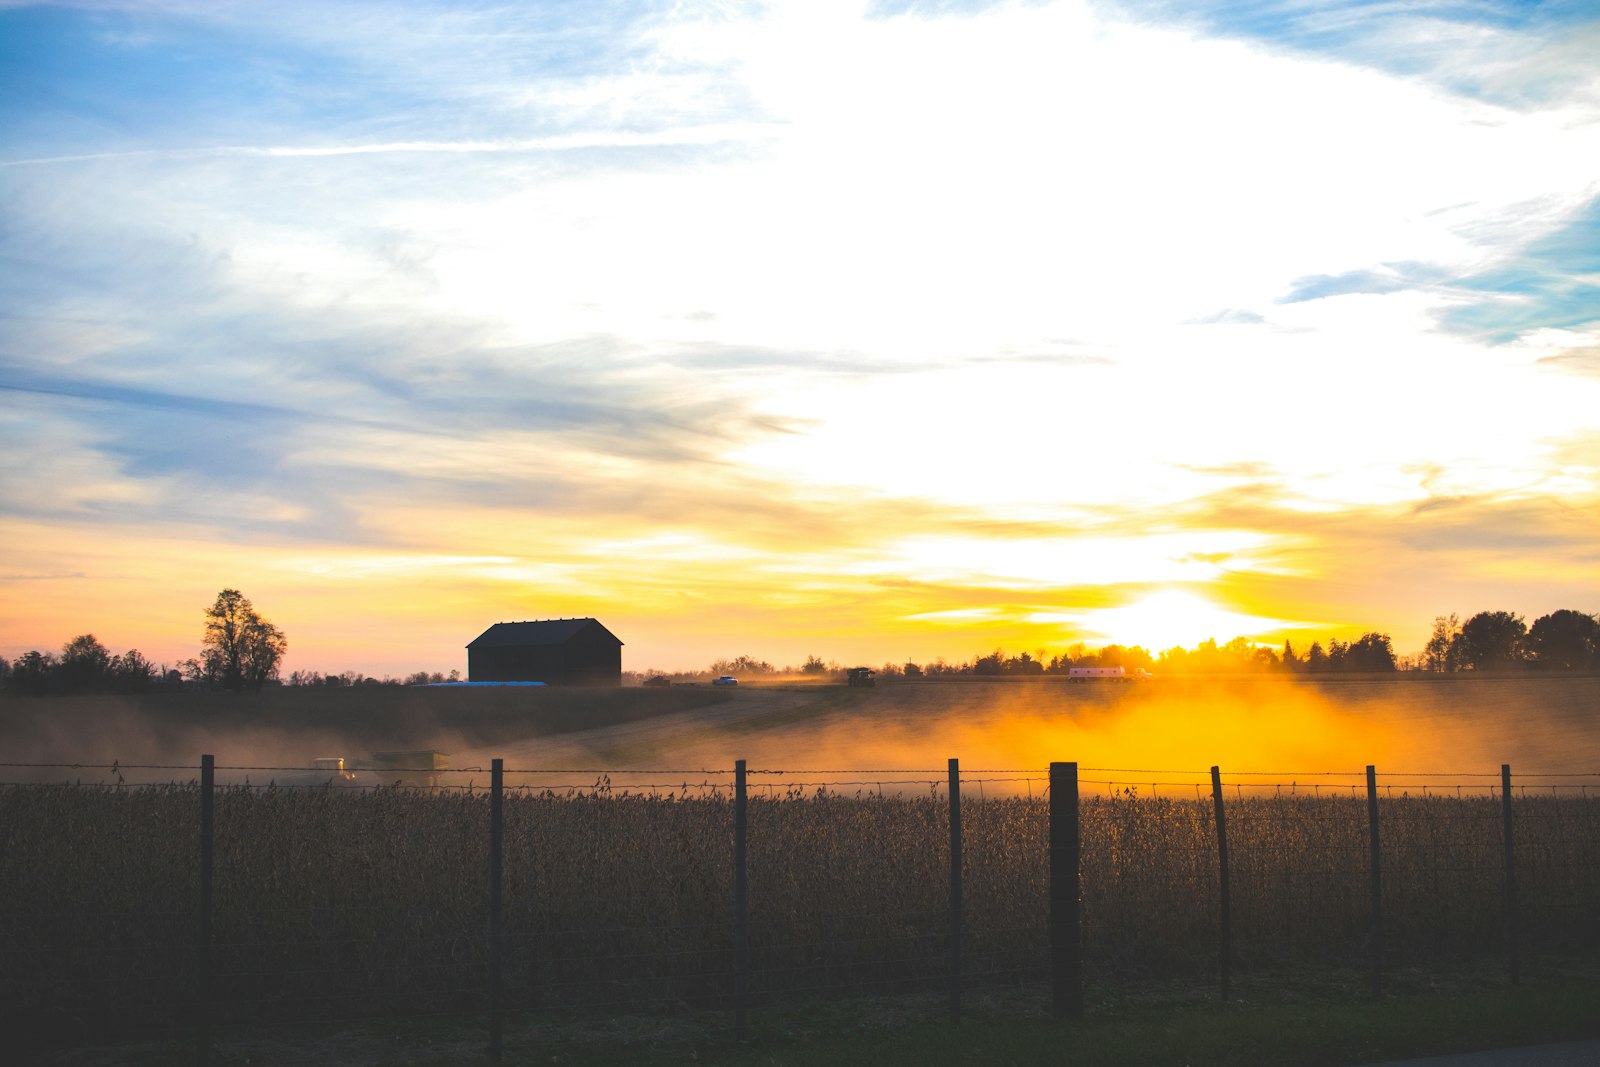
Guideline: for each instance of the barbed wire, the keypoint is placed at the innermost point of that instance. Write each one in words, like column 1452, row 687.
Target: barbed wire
column 1033, row 773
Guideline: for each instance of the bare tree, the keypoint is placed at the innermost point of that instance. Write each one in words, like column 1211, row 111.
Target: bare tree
column 241, row 650
column 1443, row 651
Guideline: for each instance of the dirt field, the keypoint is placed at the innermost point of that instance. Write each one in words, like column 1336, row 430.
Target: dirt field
column 1453, row 725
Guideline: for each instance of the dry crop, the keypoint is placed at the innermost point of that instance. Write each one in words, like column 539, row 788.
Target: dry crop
column 368, row 901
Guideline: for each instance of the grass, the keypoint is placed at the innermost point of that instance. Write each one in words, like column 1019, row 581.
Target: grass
column 1268, row 1025
column 1247, row 1032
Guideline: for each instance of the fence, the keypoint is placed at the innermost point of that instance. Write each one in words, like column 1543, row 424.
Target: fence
column 129, row 909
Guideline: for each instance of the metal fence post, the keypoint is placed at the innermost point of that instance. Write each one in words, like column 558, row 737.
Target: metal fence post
column 1376, row 871
column 1225, row 949
column 203, row 976
column 496, row 944
column 1513, row 958
column 955, row 890
column 1066, row 867
column 741, row 943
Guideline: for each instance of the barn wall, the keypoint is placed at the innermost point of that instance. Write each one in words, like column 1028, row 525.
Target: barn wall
column 591, row 657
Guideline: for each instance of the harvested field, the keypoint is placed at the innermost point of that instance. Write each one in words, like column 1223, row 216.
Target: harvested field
column 372, row 901
column 345, row 903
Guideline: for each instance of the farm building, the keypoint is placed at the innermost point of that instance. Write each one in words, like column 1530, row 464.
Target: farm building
column 553, row 651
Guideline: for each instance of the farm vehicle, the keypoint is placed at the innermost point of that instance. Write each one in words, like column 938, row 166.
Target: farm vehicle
column 411, row 768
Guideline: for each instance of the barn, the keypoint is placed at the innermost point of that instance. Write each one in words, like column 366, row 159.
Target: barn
column 553, row 651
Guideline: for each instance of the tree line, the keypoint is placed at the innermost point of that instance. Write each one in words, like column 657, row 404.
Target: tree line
column 239, row 649
column 1564, row 640
column 242, row 650
column 1489, row 640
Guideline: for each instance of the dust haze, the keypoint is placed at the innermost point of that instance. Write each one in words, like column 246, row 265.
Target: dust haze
column 1162, row 734
column 1281, row 729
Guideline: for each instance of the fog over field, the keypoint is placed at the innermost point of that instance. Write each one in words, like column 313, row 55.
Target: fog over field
column 1422, row 725
column 1450, row 726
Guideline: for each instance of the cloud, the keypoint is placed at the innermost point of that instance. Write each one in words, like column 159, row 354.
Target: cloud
column 1517, row 55
column 1583, row 361
column 1391, row 278
column 1550, row 282
column 597, row 297
column 1229, row 317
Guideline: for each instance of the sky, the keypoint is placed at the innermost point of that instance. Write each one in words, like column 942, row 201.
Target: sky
column 870, row 331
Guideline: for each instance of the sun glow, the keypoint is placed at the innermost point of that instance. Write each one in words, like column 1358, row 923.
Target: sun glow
column 1172, row 617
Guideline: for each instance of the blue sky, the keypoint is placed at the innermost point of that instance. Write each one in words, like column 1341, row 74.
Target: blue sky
column 861, row 330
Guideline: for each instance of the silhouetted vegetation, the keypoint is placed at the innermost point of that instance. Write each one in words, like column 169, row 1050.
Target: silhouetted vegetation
column 84, row 666
column 1565, row 639
column 617, row 902
column 1497, row 640
column 241, row 650
column 1489, row 640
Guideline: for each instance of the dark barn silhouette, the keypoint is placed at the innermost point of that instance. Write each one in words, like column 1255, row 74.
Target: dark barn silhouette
column 553, row 651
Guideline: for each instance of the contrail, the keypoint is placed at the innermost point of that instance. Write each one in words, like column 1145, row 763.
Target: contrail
column 700, row 135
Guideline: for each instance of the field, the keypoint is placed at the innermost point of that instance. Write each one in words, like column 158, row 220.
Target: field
column 1450, row 724
column 618, row 864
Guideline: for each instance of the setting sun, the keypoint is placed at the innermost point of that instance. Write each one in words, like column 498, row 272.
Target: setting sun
column 1173, row 617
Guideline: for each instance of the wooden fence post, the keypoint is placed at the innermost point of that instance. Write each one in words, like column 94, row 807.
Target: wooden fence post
column 1376, row 872
column 955, row 890
column 1513, row 953
column 1225, row 951
column 203, row 976
column 496, row 941
column 1066, row 867
column 741, row 889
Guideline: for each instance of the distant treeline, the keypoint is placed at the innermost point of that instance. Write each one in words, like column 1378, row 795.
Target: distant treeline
column 87, row 666
column 84, row 666
column 1489, row 640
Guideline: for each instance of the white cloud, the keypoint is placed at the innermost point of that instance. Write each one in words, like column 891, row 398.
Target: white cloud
column 998, row 233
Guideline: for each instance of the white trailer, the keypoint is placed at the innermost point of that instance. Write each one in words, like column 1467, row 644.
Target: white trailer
column 1113, row 674
column 1085, row 674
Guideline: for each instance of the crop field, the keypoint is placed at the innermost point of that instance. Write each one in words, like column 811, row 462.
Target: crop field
column 618, row 888
column 374, row 901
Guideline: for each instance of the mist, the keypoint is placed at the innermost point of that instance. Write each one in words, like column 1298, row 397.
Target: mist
column 1421, row 732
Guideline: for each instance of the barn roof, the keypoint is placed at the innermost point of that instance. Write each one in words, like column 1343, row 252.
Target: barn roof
column 543, row 632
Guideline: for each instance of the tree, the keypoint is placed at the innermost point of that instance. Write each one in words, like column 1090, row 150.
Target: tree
column 33, row 673
column 742, row 665
column 1565, row 639
column 131, row 672
column 1373, row 652
column 1022, row 663
column 85, row 664
column 1492, row 639
column 993, row 663
column 814, row 665
column 241, row 650
column 1316, row 659
column 1443, row 651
